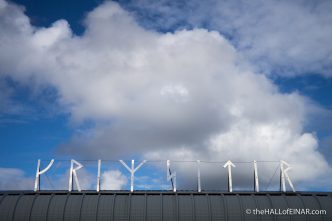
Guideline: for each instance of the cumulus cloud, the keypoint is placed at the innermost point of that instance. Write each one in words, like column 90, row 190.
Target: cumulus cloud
column 14, row 179
column 183, row 95
column 110, row 180
column 113, row 180
column 7, row 106
column 288, row 38
column 285, row 38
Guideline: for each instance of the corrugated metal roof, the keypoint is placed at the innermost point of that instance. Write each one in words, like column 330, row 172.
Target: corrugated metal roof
column 158, row 205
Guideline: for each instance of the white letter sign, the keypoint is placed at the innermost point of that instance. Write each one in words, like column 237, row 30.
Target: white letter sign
column 38, row 173
column 132, row 171
column 283, row 174
column 171, row 176
column 74, row 174
column 229, row 164
column 256, row 177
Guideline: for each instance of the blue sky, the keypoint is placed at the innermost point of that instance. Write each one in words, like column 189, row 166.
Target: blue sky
column 166, row 80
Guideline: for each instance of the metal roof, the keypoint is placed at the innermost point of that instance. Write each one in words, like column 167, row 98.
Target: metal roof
column 158, row 205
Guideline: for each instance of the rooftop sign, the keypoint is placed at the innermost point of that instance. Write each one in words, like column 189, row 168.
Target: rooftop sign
column 170, row 175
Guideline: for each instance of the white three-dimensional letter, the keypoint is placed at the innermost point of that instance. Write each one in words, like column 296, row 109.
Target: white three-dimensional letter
column 74, row 174
column 283, row 174
column 229, row 165
column 38, row 173
column 171, row 176
column 132, row 171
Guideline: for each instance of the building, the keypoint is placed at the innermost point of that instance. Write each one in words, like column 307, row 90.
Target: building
column 161, row 205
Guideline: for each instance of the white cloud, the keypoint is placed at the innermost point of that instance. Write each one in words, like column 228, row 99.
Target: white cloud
column 176, row 92
column 271, row 142
column 187, row 94
column 113, row 180
column 57, row 178
column 287, row 37
column 14, row 179
column 284, row 37
column 7, row 106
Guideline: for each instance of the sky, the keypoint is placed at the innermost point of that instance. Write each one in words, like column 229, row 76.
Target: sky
column 157, row 80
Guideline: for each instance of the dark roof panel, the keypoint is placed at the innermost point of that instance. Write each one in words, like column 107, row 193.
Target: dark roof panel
column 137, row 207
column 278, row 201
column 169, row 208
column 56, row 208
column 121, row 207
column 217, row 208
column 149, row 205
column 312, row 202
column 73, row 208
column 294, row 202
column 201, row 208
column 7, row 207
column 264, row 202
column 326, row 201
column 89, row 207
column 40, row 207
column 249, row 202
column 233, row 207
column 23, row 207
column 185, row 206
column 106, row 207
column 153, row 207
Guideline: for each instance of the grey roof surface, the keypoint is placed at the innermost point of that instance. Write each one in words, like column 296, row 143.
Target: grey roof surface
column 157, row 205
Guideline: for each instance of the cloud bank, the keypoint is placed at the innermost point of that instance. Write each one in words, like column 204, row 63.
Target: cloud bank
column 14, row 179
column 187, row 94
column 286, row 38
column 113, row 180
